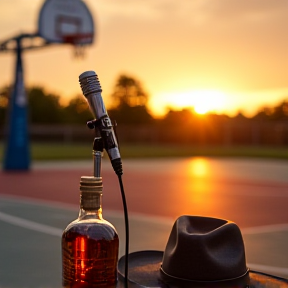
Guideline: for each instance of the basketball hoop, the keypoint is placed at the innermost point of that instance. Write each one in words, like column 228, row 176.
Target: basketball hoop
column 79, row 42
column 67, row 22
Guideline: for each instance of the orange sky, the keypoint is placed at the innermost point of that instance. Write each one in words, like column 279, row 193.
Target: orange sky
column 225, row 55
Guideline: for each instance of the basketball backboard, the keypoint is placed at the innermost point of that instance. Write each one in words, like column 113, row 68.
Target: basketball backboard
column 66, row 21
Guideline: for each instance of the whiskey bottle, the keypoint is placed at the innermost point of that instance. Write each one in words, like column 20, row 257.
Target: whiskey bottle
column 90, row 244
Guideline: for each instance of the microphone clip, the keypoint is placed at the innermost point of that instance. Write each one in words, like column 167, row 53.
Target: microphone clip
column 96, row 124
column 93, row 124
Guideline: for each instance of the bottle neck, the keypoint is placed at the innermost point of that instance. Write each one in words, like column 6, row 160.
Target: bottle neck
column 90, row 205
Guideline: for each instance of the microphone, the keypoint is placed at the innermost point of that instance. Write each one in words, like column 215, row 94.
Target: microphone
column 91, row 89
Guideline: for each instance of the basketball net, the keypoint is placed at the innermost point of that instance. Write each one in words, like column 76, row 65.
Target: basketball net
column 79, row 43
column 79, row 51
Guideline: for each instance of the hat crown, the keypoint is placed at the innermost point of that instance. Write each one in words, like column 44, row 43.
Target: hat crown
column 204, row 249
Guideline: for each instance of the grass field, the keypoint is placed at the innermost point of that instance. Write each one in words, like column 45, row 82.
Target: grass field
column 74, row 151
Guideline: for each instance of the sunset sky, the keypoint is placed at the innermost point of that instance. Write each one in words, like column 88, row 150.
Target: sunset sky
column 217, row 55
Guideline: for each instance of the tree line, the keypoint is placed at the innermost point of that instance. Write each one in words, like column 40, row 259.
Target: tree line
column 269, row 126
column 129, row 107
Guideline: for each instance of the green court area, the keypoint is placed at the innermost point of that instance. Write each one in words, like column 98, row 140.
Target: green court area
column 75, row 151
column 31, row 241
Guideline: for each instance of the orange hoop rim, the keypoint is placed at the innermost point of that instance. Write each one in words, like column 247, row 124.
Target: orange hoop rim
column 78, row 39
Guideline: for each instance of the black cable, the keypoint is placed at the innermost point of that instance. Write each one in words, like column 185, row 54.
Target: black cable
column 126, row 228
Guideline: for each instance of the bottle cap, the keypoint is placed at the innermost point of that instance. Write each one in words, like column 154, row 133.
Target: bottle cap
column 91, row 184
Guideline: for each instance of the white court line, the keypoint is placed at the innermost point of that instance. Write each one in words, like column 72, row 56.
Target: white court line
column 58, row 232
column 265, row 229
column 137, row 217
column 268, row 269
column 108, row 213
column 30, row 225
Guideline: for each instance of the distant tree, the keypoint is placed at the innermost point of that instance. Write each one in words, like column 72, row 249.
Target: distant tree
column 129, row 102
column 240, row 117
column 280, row 112
column 4, row 99
column 44, row 108
column 128, row 91
column 131, row 115
column 219, row 118
column 77, row 111
column 180, row 118
column 263, row 114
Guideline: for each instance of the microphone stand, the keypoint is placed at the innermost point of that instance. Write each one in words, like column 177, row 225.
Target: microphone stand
column 98, row 147
column 97, row 156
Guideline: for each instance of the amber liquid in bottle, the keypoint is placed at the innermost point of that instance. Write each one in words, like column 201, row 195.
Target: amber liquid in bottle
column 90, row 247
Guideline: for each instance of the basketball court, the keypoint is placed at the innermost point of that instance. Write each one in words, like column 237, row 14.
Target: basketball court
column 36, row 206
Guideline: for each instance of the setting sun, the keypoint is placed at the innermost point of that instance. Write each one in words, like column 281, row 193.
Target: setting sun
column 201, row 101
column 208, row 101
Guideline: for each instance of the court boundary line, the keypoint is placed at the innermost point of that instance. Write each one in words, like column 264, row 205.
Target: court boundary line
column 31, row 225
column 137, row 216
column 110, row 213
column 265, row 229
column 52, row 231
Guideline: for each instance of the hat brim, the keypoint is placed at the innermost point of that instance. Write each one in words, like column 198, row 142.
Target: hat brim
column 144, row 271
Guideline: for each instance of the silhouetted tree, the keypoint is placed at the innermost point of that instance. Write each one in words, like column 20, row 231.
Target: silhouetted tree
column 180, row 118
column 128, row 91
column 44, row 108
column 77, row 111
column 240, row 117
column 263, row 114
column 4, row 99
column 280, row 112
column 130, row 102
column 131, row 115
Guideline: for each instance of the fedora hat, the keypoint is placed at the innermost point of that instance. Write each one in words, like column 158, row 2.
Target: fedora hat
column 200, row 252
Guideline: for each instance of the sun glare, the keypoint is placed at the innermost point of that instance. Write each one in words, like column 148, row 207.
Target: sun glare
column 198, row 167
column 201, row 101
column 208, row 101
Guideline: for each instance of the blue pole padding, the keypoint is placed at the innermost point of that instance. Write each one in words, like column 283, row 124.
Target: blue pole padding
column 17, row 150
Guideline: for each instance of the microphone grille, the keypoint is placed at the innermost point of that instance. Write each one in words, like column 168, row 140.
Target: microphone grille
column 89, row 83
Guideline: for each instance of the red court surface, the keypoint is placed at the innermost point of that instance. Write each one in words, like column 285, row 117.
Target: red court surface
column 250, row 193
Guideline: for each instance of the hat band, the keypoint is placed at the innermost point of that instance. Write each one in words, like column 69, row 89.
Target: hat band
column 170, row 277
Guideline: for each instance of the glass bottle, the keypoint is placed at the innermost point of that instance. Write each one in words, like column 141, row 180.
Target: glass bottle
column 90, row 244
